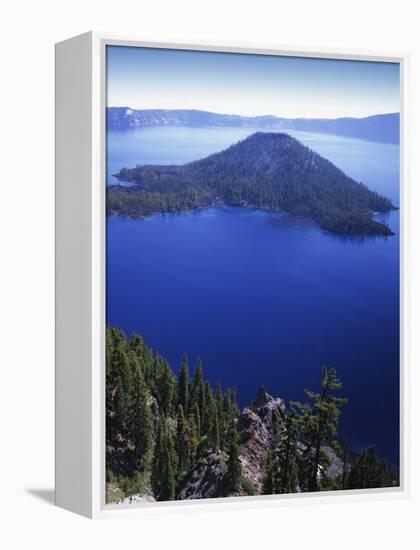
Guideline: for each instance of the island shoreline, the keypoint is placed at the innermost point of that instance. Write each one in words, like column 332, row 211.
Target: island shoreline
column 250, row 207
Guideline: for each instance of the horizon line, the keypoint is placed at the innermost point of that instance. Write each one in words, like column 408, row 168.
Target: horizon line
column 253, row 116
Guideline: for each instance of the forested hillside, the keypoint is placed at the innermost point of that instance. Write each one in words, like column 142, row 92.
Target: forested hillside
column 171, row 436
column 266, row 170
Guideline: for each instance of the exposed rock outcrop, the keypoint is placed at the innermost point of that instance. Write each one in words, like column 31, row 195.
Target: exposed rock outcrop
column 256, row 425
column 336, row 466
column 116, row 496
column 206, row 479
column 139, row 498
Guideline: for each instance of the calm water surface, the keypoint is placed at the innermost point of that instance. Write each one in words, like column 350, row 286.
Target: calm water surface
column 264, row 298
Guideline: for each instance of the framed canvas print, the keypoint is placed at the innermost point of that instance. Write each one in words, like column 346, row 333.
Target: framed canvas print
column 230, row 236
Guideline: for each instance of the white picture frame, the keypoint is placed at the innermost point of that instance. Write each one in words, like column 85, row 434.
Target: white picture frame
column 80, row 275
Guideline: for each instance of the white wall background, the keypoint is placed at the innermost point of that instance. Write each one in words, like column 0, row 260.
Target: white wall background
column 28, row 32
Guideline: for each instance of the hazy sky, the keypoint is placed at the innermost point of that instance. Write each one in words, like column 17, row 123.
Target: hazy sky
column 146, row 78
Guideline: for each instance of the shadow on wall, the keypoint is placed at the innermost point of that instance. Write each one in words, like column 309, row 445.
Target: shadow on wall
column 47, row 495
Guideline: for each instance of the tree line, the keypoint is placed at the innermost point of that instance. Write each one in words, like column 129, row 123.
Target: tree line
column 159, row 425
column 298, row 460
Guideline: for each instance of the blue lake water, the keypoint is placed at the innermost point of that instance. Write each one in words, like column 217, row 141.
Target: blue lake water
column 264, row 298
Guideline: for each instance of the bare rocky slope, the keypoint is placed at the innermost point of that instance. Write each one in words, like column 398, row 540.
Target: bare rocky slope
column 256, row 425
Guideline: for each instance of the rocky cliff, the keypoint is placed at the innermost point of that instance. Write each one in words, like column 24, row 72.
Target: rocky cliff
column 255, row 425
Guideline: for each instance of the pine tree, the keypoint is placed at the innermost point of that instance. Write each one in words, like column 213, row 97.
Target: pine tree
column 230, row 411
column 183, row 384
column 164, row 471
column 138, row 347
column 122, row 384
column 219, row 399
column 277, row 432
column 197, row 421
column 343, row 451
column 166, row 389
column 235, row 406
column 182, row 439
column 233, row 475
column 229, row 406
column 197, row 387
column 286, row 468
column 155, row 374
column 208, row 409
column 214, row 436
column 220, row 413
column 268, row 486
column 369, row 472
column 141, row 422
column 319, row 423
column 110, row 387
column 148, row 362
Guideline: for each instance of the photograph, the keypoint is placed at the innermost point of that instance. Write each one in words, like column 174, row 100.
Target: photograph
column 252, row 257
column 211, row 299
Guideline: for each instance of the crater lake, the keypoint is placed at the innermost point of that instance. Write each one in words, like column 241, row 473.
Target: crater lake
column 264, row 298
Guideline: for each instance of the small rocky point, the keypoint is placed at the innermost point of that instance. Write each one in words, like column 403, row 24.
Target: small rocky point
column 206, row 479
column 256, row 426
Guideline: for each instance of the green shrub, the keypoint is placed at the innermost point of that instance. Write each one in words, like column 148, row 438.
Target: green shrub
column 248, row 487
